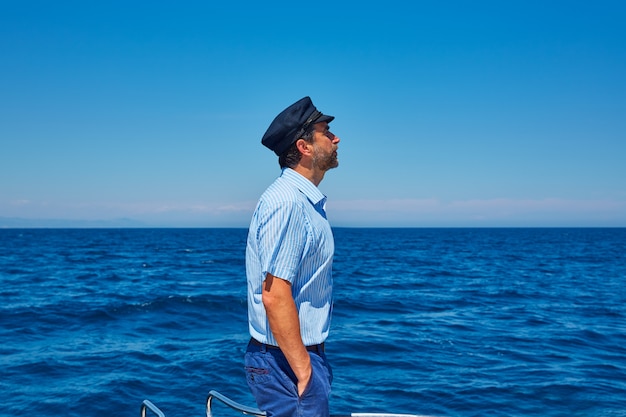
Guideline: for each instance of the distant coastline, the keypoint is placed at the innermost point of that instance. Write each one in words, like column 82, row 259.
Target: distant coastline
column 21, row 223
column 126, row 223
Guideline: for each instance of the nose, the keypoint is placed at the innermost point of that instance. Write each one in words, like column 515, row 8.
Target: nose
column 336, row 139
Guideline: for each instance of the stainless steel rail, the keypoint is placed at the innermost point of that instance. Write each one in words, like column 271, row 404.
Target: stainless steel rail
column 147, row 405
column 232, row 404
column 256, row 412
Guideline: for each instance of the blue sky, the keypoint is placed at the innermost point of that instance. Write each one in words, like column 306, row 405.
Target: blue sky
column 458, row 113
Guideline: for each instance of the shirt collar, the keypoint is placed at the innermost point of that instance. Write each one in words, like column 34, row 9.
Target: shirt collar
column 305, row 186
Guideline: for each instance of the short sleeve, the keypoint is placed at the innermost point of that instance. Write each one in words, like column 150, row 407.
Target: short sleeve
column 282, row 239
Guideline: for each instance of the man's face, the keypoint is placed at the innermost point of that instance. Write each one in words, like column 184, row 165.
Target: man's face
column 325, row 145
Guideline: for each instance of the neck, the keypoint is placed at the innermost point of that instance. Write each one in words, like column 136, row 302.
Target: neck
column 313, row 175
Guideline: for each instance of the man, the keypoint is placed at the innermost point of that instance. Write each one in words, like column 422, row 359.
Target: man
column 289, row 257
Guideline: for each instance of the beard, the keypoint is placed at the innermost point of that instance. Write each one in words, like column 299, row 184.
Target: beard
column 325, row 161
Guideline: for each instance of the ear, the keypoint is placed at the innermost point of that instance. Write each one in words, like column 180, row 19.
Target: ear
column 304, row 147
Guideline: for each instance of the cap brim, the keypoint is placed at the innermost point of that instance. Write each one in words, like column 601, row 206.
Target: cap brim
column 324, row 118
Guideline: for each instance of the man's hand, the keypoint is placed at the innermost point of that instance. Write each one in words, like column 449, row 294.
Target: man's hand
column 302, row 384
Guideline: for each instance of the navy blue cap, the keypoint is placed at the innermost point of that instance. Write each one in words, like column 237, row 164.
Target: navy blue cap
column 291, row 123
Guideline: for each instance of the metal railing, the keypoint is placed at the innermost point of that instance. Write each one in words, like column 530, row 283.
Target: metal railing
column 148, row 406
column 232, row 404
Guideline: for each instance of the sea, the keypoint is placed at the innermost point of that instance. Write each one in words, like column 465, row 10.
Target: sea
column 427, row 321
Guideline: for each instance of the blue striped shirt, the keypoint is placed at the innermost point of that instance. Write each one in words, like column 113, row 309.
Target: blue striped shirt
column 291, row 238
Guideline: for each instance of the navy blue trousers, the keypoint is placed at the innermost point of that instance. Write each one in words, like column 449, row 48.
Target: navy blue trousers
column 274, row 385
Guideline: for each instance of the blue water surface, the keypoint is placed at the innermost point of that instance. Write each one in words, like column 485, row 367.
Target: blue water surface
column 446, row 322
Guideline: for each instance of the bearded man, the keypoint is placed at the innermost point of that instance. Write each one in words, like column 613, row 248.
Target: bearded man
column 289, row 257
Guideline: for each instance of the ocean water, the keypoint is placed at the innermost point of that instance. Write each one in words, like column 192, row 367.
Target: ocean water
column 445, row 322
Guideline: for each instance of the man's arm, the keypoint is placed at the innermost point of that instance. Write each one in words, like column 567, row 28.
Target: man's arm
column 285, row 325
